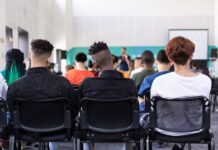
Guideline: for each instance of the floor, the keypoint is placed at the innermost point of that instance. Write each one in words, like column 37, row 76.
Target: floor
column 214, row 127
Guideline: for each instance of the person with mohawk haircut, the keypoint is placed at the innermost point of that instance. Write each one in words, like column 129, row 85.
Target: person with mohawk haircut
column 111, row 86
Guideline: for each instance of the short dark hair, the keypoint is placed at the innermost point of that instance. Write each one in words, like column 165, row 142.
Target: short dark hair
column 115, row 59
column 138, row 58
column 97, row 47
column 41, row 47
column 90, row 64
column 147, row 57
column 81, row 57
column 162, row 57
column 180, row 49
column 124, row 48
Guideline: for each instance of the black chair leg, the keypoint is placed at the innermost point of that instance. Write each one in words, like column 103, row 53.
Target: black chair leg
column 142, row 144
column 11, row 142
column 189, row 146
column 19, row 145
column 211, row 144
column 214, row 102
column 41, row 146
column 148, row 144
column 74, row 144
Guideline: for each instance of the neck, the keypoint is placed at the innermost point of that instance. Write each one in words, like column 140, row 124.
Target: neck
column 108, row 67
column 37, row 64
column 80, row 66
column 183, row 70
column 163, row 67
column 148, row 67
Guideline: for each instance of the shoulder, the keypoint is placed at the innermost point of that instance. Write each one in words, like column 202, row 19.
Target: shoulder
column 204, row 78
column 163, row 78
column 138, row 74
column 59, row 78
column 89, row 73
column 70, row 72
column 3, row 73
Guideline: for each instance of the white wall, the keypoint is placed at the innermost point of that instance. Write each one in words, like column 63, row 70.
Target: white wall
column 138, row 22
column 2, row 32
column 216, row 22
column 44, row 19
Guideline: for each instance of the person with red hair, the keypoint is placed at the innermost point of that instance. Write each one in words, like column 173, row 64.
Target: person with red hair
column 183, row 82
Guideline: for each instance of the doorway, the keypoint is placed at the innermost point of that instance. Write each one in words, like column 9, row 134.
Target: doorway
column 23, row 41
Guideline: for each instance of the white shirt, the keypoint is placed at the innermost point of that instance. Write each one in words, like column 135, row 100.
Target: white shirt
column 3, row 87
column 173, row 85
column 136, row 71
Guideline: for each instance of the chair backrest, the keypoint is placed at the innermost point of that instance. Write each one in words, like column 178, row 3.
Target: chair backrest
column 108, row 88
column 109, row 115
column 181, row 116
column 3, row 113
column 42, row 116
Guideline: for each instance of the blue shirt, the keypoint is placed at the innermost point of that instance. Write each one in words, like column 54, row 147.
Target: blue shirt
column 147, row 82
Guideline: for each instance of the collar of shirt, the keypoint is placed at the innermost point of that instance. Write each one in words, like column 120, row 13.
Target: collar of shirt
column 37, row 70
column 110, row 74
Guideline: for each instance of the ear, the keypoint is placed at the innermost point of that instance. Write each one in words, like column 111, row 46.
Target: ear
column 190, row 58
column 49, row 59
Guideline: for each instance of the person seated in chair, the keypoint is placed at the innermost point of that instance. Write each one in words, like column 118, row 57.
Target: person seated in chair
column 147, row 62
column 101, row 54
column 79, row 73
column 163, row 66
column 183, row 82
column 109, row 85
column 39, row 83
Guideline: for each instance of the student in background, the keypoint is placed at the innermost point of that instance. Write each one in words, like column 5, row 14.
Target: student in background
column 163, row 66
column 183, row 82
column 79, row 73
column 69, row 67
column 92, row 68
column 39, row 83
column 137, row 66
column 147, row 62
column 101, row 54
column 115, row 64
column 15, row 68
column 126, row 74
column 123, row 60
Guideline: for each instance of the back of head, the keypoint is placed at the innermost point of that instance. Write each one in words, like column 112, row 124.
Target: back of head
column 15, row 68
column 14, row 55
column 162, row 57
column 90, row 64
column 138, row 62
column 180, row 50
column 147, row 57
column 81, row 58
column 115, row 59
column 41, row 49
column 101, row 55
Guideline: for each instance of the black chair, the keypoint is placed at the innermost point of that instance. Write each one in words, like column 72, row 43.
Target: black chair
column 33, row 120
column 182, row 120
column 3, row 119
column 214, row 93
column 109, row 120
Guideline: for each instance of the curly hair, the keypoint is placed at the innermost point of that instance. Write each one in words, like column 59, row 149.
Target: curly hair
column 97, row 47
